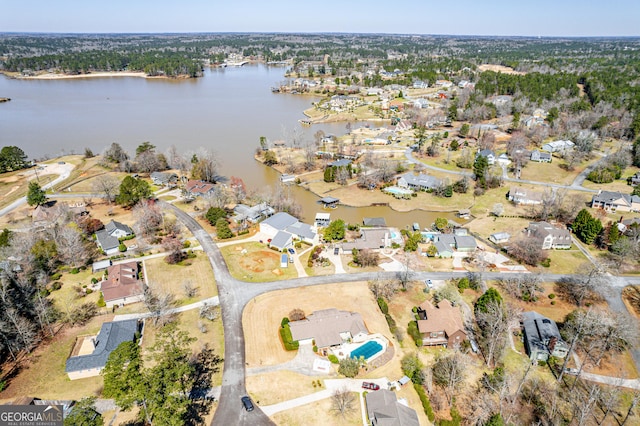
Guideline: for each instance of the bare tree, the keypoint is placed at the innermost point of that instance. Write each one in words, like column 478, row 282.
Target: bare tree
column 584, row 286
column 342, row 401
column 189, row 289
column 148, row 218
column 296, row 315
column 159, row 304
column 108, row 186
column 210, row 312
column 72, row 247
column 634, row 402
column 493, row 322
column 449, row 371
column 524, row 286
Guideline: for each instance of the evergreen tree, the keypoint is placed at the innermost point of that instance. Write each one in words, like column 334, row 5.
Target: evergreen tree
column 36, row 196
column 84, row 414
column 215, row 213
column 133, row 190
column 491, row 295
column 222, row 229
column 586, row 227
column 335, row 231
column 12, row 158
column 480, row 167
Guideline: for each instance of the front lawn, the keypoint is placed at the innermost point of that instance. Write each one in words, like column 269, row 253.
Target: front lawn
column 254, row 262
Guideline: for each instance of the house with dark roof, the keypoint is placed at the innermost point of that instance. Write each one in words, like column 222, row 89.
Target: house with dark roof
column 462, row 243
column 197, row 188
column 542, row 337
column 121, row 285
column 329, row 328
column 98, row 348
column 343, row 162
column 284, row 228
column 420, row 182
column 252, row 214
column 370, row 238
column 108, row 238
column 384, row 409
column 441, row 325
column 550, row 236
column 488, row 154
column 615, row 201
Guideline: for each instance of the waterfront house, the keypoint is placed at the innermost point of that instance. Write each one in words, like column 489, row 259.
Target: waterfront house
column 252, row 214
column 420, row 182
column 370, row 238
column 615, row 201
column 282, row 229
column 441, row 325
column 94, row 352
column 384, row 409
column 322, row 220
column 542, row 337
column 196, row 188
column 550, row 236
column 121, row 286
column 164, row 179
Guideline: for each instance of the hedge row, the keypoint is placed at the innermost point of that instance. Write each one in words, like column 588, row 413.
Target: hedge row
column 287, row 340
column 426, row 404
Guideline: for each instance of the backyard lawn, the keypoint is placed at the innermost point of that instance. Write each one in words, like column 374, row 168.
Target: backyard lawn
column 254, row 262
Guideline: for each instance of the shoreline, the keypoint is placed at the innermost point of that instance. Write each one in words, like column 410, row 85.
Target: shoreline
column 98, row 74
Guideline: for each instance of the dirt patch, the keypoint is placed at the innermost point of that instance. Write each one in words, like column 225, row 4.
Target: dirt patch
column 500, row 68
column 259, row 261
column 631, row 297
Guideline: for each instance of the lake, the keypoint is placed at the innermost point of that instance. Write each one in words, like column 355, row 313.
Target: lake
column 225, row 111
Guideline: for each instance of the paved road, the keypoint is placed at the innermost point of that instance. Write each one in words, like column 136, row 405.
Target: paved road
column 235, row 294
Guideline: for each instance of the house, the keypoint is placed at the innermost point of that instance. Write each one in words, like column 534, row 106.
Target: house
column 374, row 221
column 122, row 285
column 164, row 179
column 252, row 214
column 550, row 236
column 47, row 213
column 542, row 338
column 615, row 201
column 108, row 239
column 197, row 188
column 329, row 328
column 421, row 182
column 519, row 195
column 370, row 238
column 499, row 237
column 322, row 220
column 558, row 146
column 443, row 83
column 420, row 84
column 44, row 405
column 384, row 409
column 635, row 179
column 462, row 243
column 289, row 228
column 343, row 162
column 540, row 156
column 98, row 348
column 489, row 155
column 441, row 325
column 443, row 250
column 503, row 159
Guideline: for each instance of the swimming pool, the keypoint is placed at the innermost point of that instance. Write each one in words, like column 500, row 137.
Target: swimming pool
column 367, row 350
column 394, row 235
column 395, row 190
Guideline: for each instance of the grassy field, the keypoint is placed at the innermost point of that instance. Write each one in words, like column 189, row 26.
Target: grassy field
column 170, row 278
column 565, row 261
column 257, row 264
column 278, row 386
column 68, row 297
column 318, row 413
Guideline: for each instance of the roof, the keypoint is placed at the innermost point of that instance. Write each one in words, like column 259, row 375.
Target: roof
column 281, row 240
column 442, row 247
column 421, row 180
column 486, row 153
column 608, row 197
column 383, row 406
column 465, row 241
column 374, row 221
column 106, row 241
column 539, row 329
column 122, row 282
column 340, row 163
column 326, row 325
column 113, row 226
column 557, row 145
column 199, row 187
column 280, row 221
column 369, row 239
column 521, row 195
column 328, row 200
column 301, row 229
column 323, row 216
column 111, row 335
column 544, row 229
column 500, row 236
column 103, row 264
column 445, row 317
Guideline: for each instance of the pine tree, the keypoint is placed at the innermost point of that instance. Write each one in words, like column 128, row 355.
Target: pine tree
column 36, row 196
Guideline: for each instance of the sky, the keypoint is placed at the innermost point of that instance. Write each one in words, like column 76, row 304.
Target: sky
column 463, row 17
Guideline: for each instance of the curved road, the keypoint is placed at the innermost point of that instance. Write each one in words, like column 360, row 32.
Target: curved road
column 235, row 294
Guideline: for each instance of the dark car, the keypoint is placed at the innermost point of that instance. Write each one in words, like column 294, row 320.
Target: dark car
column 246, row 401
column 336, row 251
column 370, row 386
column 292, row 251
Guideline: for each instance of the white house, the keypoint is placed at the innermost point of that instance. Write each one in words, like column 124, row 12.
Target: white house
column 421, row 182
column 558, row 146
column 282, row 229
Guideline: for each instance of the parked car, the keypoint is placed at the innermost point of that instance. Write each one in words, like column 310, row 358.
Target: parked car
column 292, row 251
column 336, row 251
column 572, row 371
column 370, row 386
column 248, row 404
column 428, row 283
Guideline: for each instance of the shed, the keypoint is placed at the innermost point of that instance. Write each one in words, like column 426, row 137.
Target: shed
column 101, row 265
column 404, row 380
column 499, row 237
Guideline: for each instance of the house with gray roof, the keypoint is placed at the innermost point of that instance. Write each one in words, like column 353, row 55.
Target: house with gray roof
column 252, row 214
column 108, row 238
column 111, row 335
column 164, row 179
column 420, row 182
column 542, row 337
column 384, row 409
column 550, row 236
column 374, row 221
column 615, row 201
column 541, row 156
column 286, row 224
column 520, row 195
column 328, row 328
column 343, row 162
column 558, row 146
column 446, row 242
column 370, row 238
column 499, row 237
column 488, row 154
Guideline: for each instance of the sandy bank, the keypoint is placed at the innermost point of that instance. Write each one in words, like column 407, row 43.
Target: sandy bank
column 55, row 76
